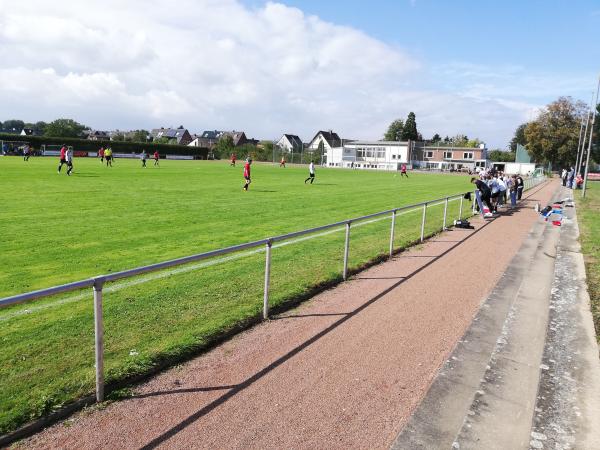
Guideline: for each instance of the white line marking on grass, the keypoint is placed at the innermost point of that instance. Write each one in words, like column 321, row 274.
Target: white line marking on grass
column 118, row 286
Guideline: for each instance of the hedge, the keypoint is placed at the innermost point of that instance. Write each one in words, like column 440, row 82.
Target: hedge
column 117, row 146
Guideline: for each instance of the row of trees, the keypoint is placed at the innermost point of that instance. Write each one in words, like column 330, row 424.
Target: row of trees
column 56, row 128
column 553, row 136
column 400, row 130
column 403, row 131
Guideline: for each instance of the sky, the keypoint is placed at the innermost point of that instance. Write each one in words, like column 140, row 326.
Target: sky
column 478, row 67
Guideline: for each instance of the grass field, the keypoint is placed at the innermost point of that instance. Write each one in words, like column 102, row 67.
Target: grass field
column 58, row 229
column 589, row 226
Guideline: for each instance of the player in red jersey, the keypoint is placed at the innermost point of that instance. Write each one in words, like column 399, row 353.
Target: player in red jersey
column 232, row 160
column 156, row 157
column 282, row 162
column 63, row 157
column 403, row 171
column 247, row 174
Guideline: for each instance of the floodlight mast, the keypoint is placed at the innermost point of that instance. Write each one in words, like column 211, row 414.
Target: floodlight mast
column 587, row 163
column 587, row 123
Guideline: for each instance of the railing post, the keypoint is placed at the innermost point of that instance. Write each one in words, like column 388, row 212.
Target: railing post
column 423, row 222
column 267, row 280
column 99, row 339
column 346, row 249
column 392, row 233
column 445, row 213
column 460, row 208
column 474, row 202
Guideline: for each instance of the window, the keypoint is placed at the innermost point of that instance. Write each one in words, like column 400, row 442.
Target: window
column 429, row 154
column 447, row 155
column 393, row 156
column 468, row 155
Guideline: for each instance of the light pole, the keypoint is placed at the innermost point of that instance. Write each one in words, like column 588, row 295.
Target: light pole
column 589, row 150
column 587, row 123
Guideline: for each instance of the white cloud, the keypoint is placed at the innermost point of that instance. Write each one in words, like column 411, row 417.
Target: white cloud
column 216, row 64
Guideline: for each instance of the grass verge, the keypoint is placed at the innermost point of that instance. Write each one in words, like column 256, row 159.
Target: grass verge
column 588, row 213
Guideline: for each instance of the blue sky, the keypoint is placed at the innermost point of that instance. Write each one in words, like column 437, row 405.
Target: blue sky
column 478, row 68
column 542, row 35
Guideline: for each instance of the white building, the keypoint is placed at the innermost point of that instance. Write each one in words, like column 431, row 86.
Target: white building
column 382, row 155
column 290, row 143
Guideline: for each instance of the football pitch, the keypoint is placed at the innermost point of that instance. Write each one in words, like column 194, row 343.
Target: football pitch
column 57, row 229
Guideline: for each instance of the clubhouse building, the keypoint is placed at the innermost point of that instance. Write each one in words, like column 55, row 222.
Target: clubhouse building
column 390, row 155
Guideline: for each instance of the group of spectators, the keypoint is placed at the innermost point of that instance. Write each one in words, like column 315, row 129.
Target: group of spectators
column 495, row 188
column 570, row 179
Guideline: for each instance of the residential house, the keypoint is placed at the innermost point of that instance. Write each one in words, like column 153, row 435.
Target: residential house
column 328, row 139
column 97, row 135
column 179, row 136
column 212, row 136
column 290, row 143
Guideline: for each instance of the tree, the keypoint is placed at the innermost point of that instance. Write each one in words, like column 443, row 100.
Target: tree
column 554, row 135
column 518, row 138
column 13, row 126
column 161, row 140
column 501, row 156
column 224, row 147
column 64, row 128
column 409, row 132
column 394, row 131
column 140, row 136
column 596, row 137
column 436, row 138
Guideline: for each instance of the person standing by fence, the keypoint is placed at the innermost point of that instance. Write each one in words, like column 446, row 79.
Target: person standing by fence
column 520, row 186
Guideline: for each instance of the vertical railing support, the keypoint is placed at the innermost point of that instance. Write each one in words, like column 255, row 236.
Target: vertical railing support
column 460, row 208
column 99, row 338
column 346, row 249
column 392, row 233
column 267, row 279
column 423, row 222
column 445, row 213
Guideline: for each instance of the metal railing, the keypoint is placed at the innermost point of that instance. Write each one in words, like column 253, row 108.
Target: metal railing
column 97, row 283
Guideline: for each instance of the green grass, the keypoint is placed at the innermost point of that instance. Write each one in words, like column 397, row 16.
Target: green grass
column 58, row 229
column 589, row 220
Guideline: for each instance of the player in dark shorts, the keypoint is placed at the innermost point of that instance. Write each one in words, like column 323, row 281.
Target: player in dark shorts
column 232, row 160
column 156, row 157
column 247, row 174
column 63, row 157
column 403, row 171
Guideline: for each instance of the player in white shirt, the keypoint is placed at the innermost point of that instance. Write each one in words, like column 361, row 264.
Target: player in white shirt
column 311, row 173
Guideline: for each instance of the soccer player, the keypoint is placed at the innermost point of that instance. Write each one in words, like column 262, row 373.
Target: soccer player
column 108, row 156
column 282, row 162
column 311, row 173
column 143, row 157
column 101, row 155
column 403, row 171
column 232, row 160
column 69, row 158
column 156, row 156
column 247, row 174
column 26, row 152
column 63, row 157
